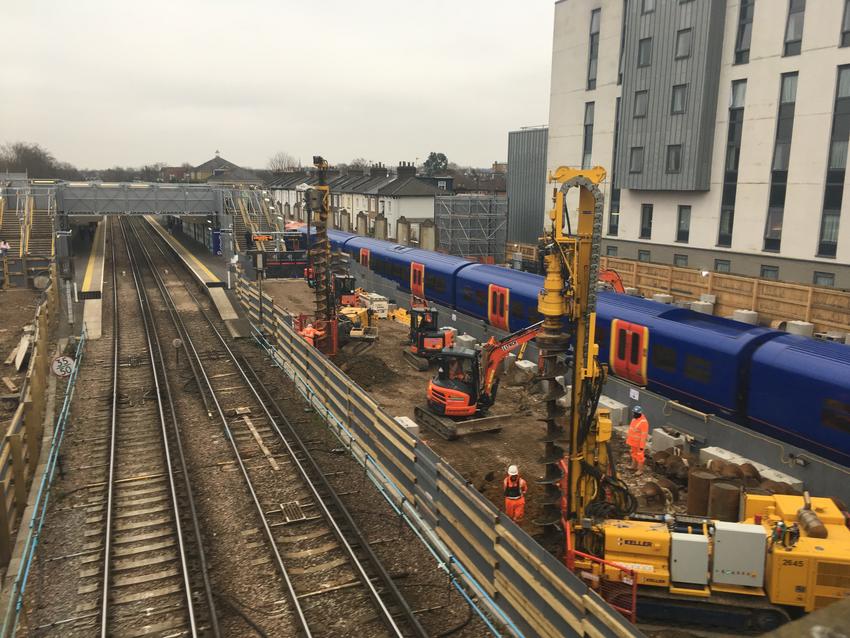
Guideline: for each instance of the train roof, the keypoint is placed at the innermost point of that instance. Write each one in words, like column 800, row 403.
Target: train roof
column 795, row 349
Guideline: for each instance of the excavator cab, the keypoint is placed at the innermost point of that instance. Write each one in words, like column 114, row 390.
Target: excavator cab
column 426, row 338
column 456, row 388
column 344, row 289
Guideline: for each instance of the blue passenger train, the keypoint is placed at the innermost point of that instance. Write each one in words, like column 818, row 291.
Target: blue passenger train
column 792, row 388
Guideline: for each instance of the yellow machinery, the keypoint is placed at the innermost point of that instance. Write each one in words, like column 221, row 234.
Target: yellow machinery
column 789, row 554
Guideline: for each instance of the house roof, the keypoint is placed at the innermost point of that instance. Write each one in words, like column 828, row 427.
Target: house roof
column 410, row 186
column 216, row 162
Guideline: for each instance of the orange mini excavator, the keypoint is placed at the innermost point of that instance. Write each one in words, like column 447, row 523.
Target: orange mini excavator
column 465, row 386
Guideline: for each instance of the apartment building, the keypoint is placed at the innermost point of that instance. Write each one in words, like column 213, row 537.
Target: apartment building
column 723, row 125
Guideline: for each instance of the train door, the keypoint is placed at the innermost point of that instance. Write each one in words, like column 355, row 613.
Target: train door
column 364, row 257
column 417, row 279
column 629, row 348
column 498, row 299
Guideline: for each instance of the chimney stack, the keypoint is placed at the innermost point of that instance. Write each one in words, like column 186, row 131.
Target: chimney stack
column 406, row 169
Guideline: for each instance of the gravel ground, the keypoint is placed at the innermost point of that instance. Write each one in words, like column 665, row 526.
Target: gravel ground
column 17, row 309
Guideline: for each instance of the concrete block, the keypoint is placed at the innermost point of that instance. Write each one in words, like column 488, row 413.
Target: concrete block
column 409, row 425
column 520, row 372
column 682, row 304
column 847, row 339
column 712, row 299
column 465, row 341
column 702, row 306
column 632, row 292
column 619, row 411
column 566, row 400
column 662, row 440
column 803, row 328
column 746, row 316
column 662, row 297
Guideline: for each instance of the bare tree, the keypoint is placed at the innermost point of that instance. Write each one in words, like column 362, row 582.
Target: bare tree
column 359, row 162
column 281, row 162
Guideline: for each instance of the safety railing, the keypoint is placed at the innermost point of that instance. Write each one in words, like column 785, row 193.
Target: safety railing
column 14, row 604
column 517, row 586
column 616, row 584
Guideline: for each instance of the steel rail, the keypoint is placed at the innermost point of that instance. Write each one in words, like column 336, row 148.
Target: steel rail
column 377, row 599
column 169, row 304
column 153, row 341
column 107, row 543
column 299, row 611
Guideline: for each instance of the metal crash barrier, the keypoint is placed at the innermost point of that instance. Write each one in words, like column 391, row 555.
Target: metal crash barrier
column 516, row 586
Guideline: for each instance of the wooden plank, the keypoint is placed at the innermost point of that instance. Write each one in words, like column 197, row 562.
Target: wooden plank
column 532, row 616
column 8, row 383
column 260, row 443
column 468, row 565
column 475, row 518
column 23, row 348
column 543, row 571
column 615, row 622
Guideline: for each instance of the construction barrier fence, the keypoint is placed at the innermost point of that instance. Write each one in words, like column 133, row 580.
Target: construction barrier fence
column 522, row 589
column 22, row 440
column 826, row 308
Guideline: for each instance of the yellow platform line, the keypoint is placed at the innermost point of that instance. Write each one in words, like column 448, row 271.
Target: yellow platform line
column 181, row 249
column 97, row 250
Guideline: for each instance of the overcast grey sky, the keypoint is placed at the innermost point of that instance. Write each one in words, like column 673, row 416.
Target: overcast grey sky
column 106, row 82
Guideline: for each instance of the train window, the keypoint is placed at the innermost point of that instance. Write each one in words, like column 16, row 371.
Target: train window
column 698, row 369
column 467, row 294
column 502, row 305
column 480, row 298
column 602, row 335
column 435, row 283
column 836, row 415
column 663, row 358
column 635, row 349
column 621, row 344
column 494, row 300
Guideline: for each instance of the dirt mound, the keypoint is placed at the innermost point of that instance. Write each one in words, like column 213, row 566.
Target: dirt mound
column 367, row 370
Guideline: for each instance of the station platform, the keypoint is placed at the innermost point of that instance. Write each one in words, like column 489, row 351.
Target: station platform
column 201, row 269
column 92, row 284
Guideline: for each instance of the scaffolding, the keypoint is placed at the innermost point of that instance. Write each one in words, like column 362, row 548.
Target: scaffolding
column 472, row 226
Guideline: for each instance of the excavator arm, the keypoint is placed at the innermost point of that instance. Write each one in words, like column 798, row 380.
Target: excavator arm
column 494, row 352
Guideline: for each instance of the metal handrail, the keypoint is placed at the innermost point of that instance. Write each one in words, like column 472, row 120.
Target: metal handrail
column 16, row 595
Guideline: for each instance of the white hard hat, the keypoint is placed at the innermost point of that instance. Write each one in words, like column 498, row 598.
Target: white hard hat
column 513, row 470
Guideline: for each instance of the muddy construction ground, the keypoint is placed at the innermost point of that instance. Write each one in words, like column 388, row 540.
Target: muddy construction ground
column 481, row 458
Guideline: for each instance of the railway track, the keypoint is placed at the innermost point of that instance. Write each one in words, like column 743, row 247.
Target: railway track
column 146, row 566
column 334, row 583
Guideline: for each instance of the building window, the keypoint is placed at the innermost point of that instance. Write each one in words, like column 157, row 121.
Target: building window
column 674, row 158
column 679, row 100
column 622, row 50
column 733, row 155
column 614, row 222
column 636, row 160
column 646, row 221
column 684, row 41
column 641, row 103
column 745, row 32
column 722, row 265
column 587, row 146
column 845, row 25
column 779, row 166
column 826, row 279
column 593, row 58
column 643, row 255
column 645, row 52
column 680, row 261
column 794, row 27
column 836, row 167
column 647, row 6
column 770, row 272
column 614, row 213
column 683, row 226
column 611, row 251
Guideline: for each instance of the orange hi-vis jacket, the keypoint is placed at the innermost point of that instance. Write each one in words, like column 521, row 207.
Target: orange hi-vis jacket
column 638, row 433
column 515, row 489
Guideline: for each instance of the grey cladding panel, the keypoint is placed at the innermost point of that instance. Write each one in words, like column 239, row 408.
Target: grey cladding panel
column 526, row 184
column 694, row 129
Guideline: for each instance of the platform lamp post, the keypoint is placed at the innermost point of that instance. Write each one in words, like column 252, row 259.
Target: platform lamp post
column 259, row 268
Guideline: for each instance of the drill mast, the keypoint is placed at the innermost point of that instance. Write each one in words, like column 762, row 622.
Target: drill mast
column 568, row 302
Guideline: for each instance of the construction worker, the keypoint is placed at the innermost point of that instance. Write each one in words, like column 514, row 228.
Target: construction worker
column 636, row 439
column 515, row 489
